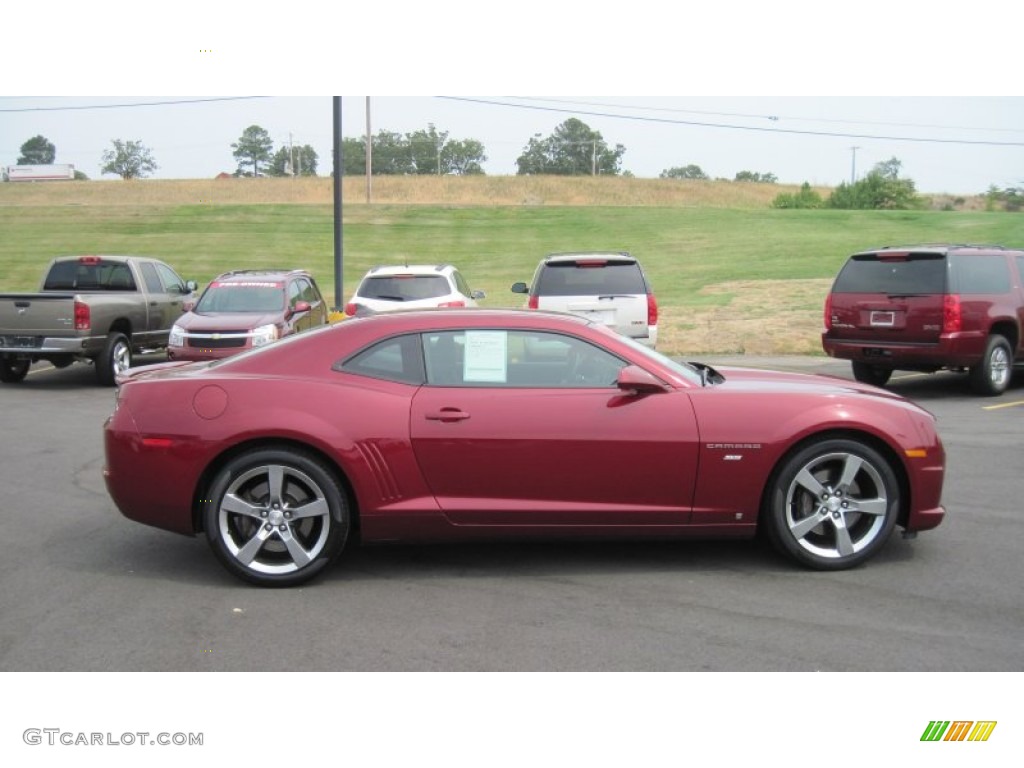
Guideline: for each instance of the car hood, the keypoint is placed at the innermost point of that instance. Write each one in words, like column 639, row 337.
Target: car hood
column 226, row 321
column 758, row 380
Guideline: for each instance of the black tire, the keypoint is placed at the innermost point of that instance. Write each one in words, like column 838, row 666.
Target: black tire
column 832, row 505
column 276, row 537
column 116, row 358
column 12, row 370
column 875, row 375
column 992, row 375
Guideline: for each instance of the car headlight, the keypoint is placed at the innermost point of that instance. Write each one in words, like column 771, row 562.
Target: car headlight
column 177, row 338
column 264, row 335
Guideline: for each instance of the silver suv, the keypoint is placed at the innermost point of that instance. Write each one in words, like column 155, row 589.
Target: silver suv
column 607, row 287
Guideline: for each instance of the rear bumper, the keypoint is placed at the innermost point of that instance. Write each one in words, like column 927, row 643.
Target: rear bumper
column 45, row 346
column 953, row 350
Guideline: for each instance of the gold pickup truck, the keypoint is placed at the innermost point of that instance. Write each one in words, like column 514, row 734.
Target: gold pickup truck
column 96, row 309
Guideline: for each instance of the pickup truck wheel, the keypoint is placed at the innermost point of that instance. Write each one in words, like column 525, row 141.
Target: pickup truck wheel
column 13, row 371
column 116, row 358
column 992, row 375
column 875, row 375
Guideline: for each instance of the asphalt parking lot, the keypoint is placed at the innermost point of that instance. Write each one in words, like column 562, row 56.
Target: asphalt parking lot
column 85, row 589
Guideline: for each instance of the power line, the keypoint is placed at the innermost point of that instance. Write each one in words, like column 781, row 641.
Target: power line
column 772, row 117
column 134, row 104
column 641, row 118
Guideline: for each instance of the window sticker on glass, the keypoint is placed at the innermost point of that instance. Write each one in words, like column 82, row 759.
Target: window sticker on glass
column 486, row 356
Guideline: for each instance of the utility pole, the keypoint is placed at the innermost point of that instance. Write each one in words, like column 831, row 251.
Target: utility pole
column 369, row 153
column 339, row 166
column 853, row 169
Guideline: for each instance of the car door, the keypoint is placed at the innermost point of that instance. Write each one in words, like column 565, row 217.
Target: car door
column 167, row 295
column 520, row 427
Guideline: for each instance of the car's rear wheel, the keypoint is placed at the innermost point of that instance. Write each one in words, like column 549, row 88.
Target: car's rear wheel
column 276, row 516
column 116, row 358
column 992, row 375
column 12, row 371
column 833, row 504
column 875, row 375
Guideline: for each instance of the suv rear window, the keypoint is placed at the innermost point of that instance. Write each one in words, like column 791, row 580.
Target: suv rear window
column 914, row 273
column 405, row 287
column 589, row 278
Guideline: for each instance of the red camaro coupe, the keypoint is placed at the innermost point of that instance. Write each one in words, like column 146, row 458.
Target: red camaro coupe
column 467, row 424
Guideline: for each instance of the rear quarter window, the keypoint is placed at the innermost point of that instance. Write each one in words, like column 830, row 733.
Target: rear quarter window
column 915, row 274
column 979, row 274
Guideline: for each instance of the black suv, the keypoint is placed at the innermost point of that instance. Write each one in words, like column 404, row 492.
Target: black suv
column 929, row 307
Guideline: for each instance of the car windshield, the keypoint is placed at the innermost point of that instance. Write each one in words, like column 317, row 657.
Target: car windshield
column 254, row 296
column 590, row 278
column 404, row 287
column 685, row 371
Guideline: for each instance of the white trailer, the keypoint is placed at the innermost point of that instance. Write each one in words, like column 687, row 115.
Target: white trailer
column 60, row 172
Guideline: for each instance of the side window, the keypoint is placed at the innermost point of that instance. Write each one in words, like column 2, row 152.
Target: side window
column 172, row 283
column 1020, row 270
column 150, row 277
column 982, row 274
column 462, row 285
column 398, row 359
column 294, row 293
column 524, row 359
column 306, row 292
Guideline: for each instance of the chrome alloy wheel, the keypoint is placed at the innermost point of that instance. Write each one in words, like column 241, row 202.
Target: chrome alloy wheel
column 837, row 505
column 274, row 519
column 999, row 367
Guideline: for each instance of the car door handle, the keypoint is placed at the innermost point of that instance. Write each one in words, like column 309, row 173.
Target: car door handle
column 447, row 414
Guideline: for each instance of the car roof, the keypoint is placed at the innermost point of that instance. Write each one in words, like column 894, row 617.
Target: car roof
column 938, row 248
column 248, row 274
column 469, row 317
column 571, row 256
column 386, row 270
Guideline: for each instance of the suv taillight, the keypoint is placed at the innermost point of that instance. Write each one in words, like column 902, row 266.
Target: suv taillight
column 952, row 317
column 533, row 303
column 828, row 312
column 83, row 320
column 652, row 310
column 351, row 308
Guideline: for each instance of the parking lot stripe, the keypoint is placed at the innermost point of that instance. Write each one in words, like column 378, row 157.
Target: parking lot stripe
column 1002, row 405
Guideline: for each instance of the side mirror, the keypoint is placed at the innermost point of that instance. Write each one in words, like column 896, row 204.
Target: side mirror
column 300, row 306
column 191, row 286
column 478, row 295
column 634, row 380
column 520, row 288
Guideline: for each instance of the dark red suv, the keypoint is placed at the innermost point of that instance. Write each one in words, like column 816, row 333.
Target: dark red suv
column 929, row 307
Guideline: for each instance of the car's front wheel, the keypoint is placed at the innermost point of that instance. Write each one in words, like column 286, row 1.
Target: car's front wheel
column 833, row 504
column 276, row 517
column 992, row 375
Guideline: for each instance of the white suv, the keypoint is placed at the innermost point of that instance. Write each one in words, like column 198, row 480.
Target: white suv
column 607, row 287
column 411, row 287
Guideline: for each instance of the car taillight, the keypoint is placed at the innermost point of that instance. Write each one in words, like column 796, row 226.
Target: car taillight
column 452, row 304
column 351, row 308
column 83, row 320
column 533, row 303
column 828, row 312
column 652, row 310
column 952, row 317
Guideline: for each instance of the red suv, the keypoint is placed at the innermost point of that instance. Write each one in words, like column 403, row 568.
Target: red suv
column 928, row 307
column 245, row 309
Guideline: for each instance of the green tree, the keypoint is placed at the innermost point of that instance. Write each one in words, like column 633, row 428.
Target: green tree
column 253, row 147
column 293, row 161
column 463, row 158
column 37, row 151
column 128, row 159
column 882, row 188
column 573, row 149
column 757, row 178
column 425, row 148
column 687, row 172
